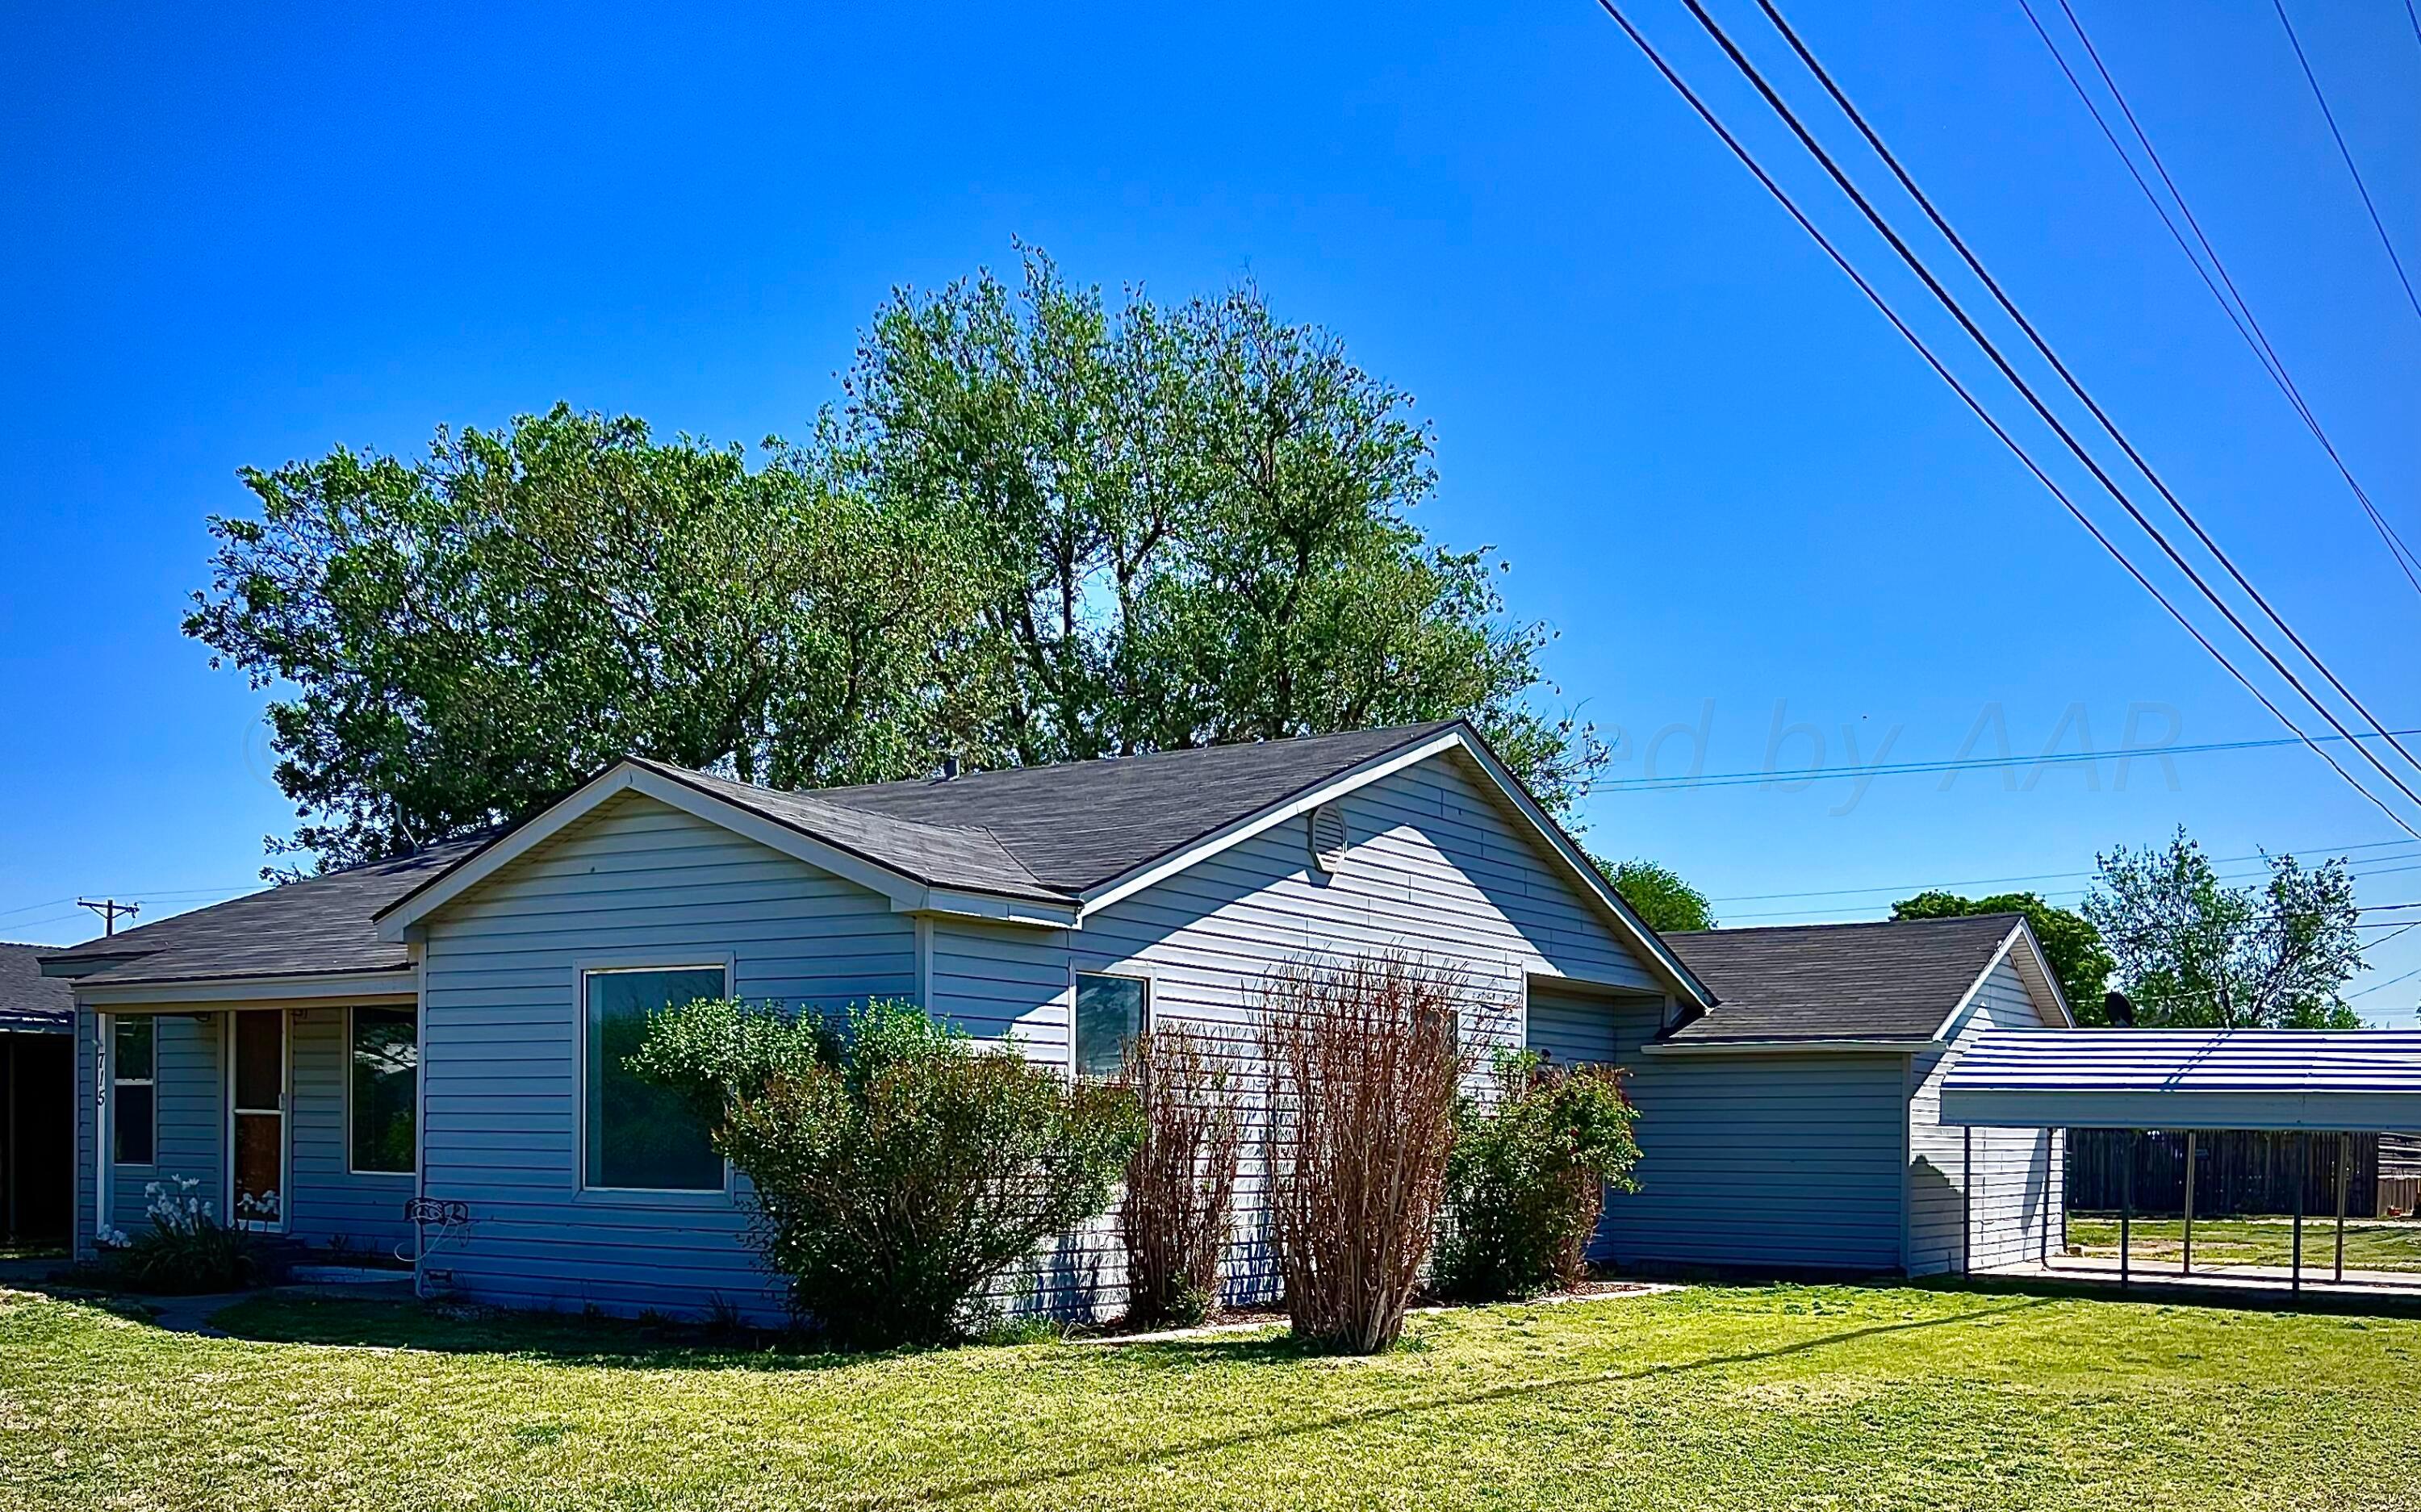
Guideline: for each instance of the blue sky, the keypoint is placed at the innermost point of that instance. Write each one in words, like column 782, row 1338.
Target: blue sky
column 242, row 237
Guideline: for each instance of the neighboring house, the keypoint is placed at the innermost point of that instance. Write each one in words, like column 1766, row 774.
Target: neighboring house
column 452, row 1025
column 37, row 1099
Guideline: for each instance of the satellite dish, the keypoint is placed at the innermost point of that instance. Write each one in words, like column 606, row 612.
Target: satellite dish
column 2120, row 1010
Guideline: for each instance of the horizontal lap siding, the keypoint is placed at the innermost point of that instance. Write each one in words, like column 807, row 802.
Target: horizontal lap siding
column 1433, row 867
column 332, row 1205
column 1783, row 1161
column 638, row 883
column 2017, row 1174
column 189, row 1128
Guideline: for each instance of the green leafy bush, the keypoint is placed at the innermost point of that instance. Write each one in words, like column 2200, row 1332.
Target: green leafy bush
column 185, row 1252
column 896, row 1166
column 1526, row 1181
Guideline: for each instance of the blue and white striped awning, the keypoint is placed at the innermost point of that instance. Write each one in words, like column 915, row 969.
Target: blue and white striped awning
column 2354, row 1080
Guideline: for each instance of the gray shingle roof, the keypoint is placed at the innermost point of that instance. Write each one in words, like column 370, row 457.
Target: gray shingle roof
column 320, row 925
column 1837, row 981
column 1079, row 824
column 31, row 1002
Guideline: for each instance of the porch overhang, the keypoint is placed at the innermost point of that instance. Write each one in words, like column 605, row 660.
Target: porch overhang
column 204, row 994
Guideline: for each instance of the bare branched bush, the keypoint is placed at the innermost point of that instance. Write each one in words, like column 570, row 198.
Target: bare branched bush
column 1182, row 1180
column 1365, row 1061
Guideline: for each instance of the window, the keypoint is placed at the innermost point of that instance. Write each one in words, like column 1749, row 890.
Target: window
column 131, row 1054
column 1109, row 1017
column 385, row 1075
column 641, row 1136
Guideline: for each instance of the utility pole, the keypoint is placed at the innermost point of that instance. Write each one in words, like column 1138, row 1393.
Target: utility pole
column 109, row 909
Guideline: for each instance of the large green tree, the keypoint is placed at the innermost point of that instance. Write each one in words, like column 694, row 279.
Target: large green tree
column 458, row 639
column 1193, row 523
column 1038, row 529
column 2069, row 941
column 2194, row 953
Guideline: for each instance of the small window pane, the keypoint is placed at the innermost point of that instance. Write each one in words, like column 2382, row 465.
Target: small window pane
column 261, row 1061
column 1109, row 1015
column 385, row 1075
column 132, row 1048
column 132, row 1118
column 642, row 1135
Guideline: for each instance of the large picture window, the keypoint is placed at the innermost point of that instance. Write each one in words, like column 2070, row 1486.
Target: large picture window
column 641, row 1136
column 133, row 1065
column 386, row 1077
column 1110, row 1013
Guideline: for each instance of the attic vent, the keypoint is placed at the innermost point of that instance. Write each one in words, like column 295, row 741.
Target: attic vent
column 1327, row 837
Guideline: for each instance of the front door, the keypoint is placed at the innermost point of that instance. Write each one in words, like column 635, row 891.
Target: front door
column 257, row 1138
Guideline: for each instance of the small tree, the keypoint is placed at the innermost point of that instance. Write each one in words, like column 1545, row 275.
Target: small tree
column 1181, row 1178
column 1526, row 1183
column 1657, row 893
column 896, row 1168
column 1365, row 1064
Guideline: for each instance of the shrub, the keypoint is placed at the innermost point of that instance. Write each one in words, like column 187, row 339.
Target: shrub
column 1181, row 1178
column 1365, row 1063
column 185, row 1251
column 896, row 1168
column 1526, row 1182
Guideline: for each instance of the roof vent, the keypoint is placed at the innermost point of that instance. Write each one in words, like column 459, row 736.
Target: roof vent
column 1325, row 832
column 950, row 767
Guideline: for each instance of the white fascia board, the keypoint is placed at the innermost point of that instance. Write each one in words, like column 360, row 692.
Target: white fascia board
column 1789, row 1047
column 1677, row 976
column 2032, row 968
column 179, row 997
column 1119, row 889
column 991, row 906
column 398, row 920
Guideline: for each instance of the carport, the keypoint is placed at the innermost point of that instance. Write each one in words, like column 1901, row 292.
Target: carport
column 2324, row 1084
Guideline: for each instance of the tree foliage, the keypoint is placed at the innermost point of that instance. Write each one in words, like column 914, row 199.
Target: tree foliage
column 2194, row 953
column 1038, row 529
column 2070, row 941
column 895, row 1168
column 1657, row 895
column 469, row 637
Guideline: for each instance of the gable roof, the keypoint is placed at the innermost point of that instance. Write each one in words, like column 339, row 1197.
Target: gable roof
column 30, row 1003
column 319, row 926
column 1898, row 981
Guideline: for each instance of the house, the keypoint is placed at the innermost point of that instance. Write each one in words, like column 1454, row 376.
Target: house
column 37, row 1099
column 450, row 1026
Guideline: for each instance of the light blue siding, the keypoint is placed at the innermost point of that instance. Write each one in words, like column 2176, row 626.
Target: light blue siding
column 331, row 1203
column 189, row 1140
column 1434, row 866
column 633, row 883
column 2018, row 1177
column 1782, row 1162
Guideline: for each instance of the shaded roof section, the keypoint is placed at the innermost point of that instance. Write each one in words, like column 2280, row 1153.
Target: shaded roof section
column 1897, row 980
column 317, row 925
column 2279, row 1078
column 31, row 1002
column 1076, row 825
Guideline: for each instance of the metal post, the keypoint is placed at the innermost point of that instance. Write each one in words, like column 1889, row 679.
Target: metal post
column 2185, row 1265
column 2345, row 1169
column 1966, row 1200
column 2127, row 1210
column 2303, row 1180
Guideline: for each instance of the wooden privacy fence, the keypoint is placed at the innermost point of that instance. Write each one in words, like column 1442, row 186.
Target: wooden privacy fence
column 2236, row 1171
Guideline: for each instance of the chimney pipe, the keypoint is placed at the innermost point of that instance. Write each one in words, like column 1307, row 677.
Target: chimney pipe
column 950, row 767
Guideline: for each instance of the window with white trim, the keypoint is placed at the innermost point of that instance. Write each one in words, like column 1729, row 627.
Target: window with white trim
column 1111, row 1014
column 640, row 1136
column 134, row 1062
column 383, row 1050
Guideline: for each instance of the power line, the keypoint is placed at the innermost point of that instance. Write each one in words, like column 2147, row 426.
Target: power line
column 2346, row 153
column 2055, row 895
column 1930, row 767
column 2247, row 325
column 2032, row 877
column 1781, row 108
column 1975, row 406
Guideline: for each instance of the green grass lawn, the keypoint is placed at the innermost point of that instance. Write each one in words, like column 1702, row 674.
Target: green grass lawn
column 2369, row 1246
column 1711, row 1397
